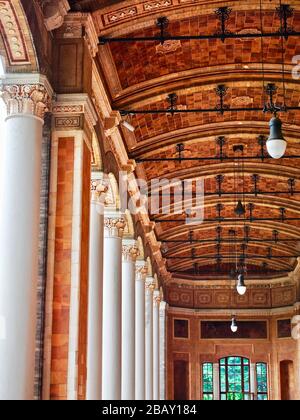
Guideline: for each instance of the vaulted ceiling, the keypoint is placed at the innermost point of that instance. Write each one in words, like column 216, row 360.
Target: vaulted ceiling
column 141, row 75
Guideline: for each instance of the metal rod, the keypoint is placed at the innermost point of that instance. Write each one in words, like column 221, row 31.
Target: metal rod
column 213, row 194
column 203, row 159
column 222, row 37
column 125, row 112
column 228, row 241
column 252, row 272
column 223, row 220
column 247, row 257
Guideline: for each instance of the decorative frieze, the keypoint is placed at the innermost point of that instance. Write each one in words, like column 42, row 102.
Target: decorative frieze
column 70, row 111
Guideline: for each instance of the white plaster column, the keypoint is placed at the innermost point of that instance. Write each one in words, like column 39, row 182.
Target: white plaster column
column 149, row 338
column 162, row 350
column 216, row 381
column 253, row 382
column 141, row 272
column 296, row 337
column 156, row 304
column 95, row 299
column 129, row 252
column 20, row 172
column 112, row 300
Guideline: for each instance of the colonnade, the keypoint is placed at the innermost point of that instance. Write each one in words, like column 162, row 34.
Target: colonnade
column 132, row 340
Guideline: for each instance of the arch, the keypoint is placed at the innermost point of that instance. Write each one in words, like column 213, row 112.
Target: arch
column 23, row 58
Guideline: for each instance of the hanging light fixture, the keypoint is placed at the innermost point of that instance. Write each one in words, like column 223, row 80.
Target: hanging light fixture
column 240, row 209
column 234, row 326
column 276, row 144
column 241, row 287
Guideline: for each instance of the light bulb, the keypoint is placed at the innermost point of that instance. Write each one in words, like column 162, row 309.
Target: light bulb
column 234, row 326
column 241, row 287
column 276, row 144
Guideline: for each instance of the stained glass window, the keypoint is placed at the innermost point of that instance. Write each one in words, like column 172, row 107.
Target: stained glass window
column 262, row 381
column 208, row 381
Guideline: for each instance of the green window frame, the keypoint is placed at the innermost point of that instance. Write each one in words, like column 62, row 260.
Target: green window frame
column 262, row 381
column 234, row 378
column 208, row 381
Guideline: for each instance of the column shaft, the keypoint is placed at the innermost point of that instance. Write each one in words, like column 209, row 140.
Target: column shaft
column 112, row 331
column 95, row 301
column 128, row 320
column 156, row 302
column 140, row 331
column 162, row 350
column 19, row 225
column 149, row 340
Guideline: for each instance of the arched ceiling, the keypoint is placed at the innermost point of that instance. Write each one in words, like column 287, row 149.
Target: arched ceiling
column 140, row 75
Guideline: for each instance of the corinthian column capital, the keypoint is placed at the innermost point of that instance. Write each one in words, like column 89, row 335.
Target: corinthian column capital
column 129, row 250
column 98, row 190
column 156, row 298
column 114, row 225
column 27, row 95
column 150, row 285
column 141, row 271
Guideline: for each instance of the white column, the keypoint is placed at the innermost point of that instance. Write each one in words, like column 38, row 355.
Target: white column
column 112, row 300
column 95, row 299
column 129, row 251
column 216, row 381
column 156, row 303
column 141, row 272
column 296, row 336
column 253, row 382
column 162, row 350
column 20, row 172
column 149, row 338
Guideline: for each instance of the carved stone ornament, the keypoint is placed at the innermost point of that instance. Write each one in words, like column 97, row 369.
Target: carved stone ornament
column 129, row 252
column 54, row 13
column 150, row 286
column 98, row 190
column 141, row 271
column 32, row 99
column 156, row 299
column 114, row 226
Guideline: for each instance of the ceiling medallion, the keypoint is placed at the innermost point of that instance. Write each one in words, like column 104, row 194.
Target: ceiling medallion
column 168, row 47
